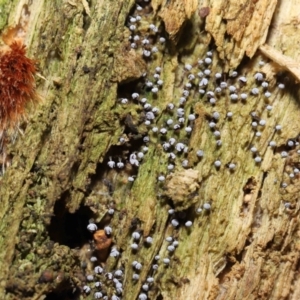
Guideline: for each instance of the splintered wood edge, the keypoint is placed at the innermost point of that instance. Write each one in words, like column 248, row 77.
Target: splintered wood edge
column 284, row 62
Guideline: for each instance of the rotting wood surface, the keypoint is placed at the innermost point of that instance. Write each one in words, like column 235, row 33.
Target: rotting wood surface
column 246, row 246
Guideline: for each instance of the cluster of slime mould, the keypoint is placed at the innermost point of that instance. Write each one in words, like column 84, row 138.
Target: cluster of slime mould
column 222, row 100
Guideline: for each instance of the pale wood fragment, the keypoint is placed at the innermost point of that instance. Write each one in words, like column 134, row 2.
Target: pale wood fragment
column 282, row 61
column 175, row 13
column 239, row 28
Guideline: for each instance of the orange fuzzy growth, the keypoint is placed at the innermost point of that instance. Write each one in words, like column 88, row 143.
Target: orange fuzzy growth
column 17, row 84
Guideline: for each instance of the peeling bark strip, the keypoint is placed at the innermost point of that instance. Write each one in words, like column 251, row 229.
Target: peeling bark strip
column 239, row 27
column 158, row 166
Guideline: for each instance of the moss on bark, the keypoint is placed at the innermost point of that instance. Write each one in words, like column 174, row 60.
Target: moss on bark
column 245, row 247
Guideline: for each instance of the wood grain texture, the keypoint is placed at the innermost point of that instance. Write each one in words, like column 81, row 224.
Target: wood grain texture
column 247, row 245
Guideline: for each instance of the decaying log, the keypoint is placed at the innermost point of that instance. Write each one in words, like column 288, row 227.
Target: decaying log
column 212, row 213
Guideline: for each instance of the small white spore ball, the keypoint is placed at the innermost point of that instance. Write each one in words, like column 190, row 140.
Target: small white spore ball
column 114, row 252
column 160, row 82
column 98, row 270
column 136, row 235
column 253, row 149
column 108, row 230
column 150, row 279
column 169, row 239
column 98, row 295
column 143, row 296
column 145, row 287
column 217, row 133
column 93, row 259
column 216, row 115
column 92, row 227
column 223, row 85
column 257, row 159
column 188, row 67
column 156, row 76
column 231, row 166
column 232, row 88
column 198, row 211
column 207, row 72
column 212, row 101
column 161, row 178
column 259, row 76
column 90, row 277
column 267, row 94
column 174, row 223
column 146, row 53
column 188, row 129
column 149, row 240
column 262, row 122
column 200, row 153
column 86, row 289
column 170, row 167
column 135, row 276
column 243, row 79
column 191, row 117
column 188, row 224
column 212, row 124
column 158, row 69
column 234, row 97
column 191, row 77
column 203, row 82
column 217, row 163
column 207, row 60
column 234, row 74
column 206, row 206
column 171, row 248
column 134, row 246
column 118, row 273
column 244, row 96
column 175, row 243
column 138, row 266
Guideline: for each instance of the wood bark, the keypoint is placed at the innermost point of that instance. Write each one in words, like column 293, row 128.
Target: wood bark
column 247, row 245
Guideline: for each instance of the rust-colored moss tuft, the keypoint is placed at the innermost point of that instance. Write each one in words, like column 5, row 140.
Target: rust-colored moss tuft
column 17, row 84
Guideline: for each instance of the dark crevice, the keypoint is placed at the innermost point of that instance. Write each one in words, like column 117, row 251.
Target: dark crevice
column 225, row 271
column 270, row 245
column 249, row 186
column 265, row 175
column 185, row 39
column 125, row 89
column 231, row 260
column 64, row 292
column 160, row 297
column 70, row 228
